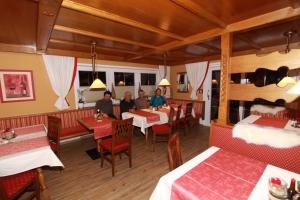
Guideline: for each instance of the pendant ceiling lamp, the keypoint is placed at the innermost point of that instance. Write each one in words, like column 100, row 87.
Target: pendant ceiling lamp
column 164, row 82
column 97, row 83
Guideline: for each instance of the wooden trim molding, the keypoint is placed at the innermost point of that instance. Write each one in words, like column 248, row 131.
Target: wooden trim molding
column 269, row 92
column 272, row 61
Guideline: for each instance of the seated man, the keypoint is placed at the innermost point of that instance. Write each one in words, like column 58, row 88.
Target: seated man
column 105, row 105
column 127, row 104
column 141, row 102
column 158, row 99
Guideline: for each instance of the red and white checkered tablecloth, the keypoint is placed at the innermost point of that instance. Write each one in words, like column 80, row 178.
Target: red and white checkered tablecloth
column 219, row 174
column 28, row 150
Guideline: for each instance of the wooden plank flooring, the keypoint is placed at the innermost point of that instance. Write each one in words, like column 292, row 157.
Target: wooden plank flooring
column 84, row 179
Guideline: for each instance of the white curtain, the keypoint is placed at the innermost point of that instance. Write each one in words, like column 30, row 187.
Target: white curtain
column 161, row 75
column 60, row 72
column 196, row 73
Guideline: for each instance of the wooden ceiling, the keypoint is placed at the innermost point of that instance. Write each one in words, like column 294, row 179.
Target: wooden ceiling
column 142, row 30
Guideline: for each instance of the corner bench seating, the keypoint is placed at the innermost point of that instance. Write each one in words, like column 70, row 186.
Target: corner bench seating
column 70, row 126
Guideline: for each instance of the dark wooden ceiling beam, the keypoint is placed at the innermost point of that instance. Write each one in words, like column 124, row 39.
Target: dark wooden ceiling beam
column 101, row 36
column 247, row 40
column 100, row 48
column 263, row 19
column 117, row 18
column 47, row 14
column 198, row 10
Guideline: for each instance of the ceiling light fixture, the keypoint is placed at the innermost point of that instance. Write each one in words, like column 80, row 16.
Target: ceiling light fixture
column 97, row 83
column 164, row 82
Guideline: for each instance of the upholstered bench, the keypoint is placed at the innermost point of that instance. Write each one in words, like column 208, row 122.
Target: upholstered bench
column 70, row 126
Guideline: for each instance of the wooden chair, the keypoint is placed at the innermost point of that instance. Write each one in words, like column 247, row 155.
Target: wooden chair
column 188, row 118
column 163, row 129
column 13, row 187
column 174, row 152
column 54, row 127
column 120, row 142
column 177, row 118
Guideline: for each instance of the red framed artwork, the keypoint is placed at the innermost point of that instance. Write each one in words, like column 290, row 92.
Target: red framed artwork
column 16, row 85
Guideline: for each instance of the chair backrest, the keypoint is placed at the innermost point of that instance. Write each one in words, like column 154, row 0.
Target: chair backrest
column 174, row 152
column 188, row 111
column 171, row 115
column 122, row 131
column 178, row 113
column 54, row 127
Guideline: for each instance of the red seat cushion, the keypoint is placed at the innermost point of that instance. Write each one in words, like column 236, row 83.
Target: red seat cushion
column 73, row 131
column 17, row 183
column 53, row 146
column 107, row 145
column 161, row 129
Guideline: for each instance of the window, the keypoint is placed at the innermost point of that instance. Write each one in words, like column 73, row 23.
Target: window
column 86, row 78
column 124, row 79
column 148, row 79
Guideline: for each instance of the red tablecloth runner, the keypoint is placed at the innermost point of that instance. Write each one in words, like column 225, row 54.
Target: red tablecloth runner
column 151, row 117
column 274, row 122
column 26, row 144
column 102, row 128
column 224, row 175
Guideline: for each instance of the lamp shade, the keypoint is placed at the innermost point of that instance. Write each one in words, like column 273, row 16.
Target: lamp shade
column 295, row 89
column 285, row 81
column 164, row 82
column 97, row 84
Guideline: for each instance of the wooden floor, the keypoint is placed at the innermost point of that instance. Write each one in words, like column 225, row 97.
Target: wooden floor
column 84, row 179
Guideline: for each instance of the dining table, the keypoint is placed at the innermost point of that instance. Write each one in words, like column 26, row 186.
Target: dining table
column 220, row 174
column 29, row 149
column 100, row 128
column 146, row 118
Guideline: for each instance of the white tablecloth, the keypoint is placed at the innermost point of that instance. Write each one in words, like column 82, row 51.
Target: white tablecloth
column 163, row 189
column 26, row 160
column 141, row 121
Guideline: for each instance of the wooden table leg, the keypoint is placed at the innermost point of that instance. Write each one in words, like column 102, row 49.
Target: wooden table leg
column 146, row 134
column 44, row 188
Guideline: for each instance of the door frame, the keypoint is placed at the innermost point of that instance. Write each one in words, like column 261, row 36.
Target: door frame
column 207, row 92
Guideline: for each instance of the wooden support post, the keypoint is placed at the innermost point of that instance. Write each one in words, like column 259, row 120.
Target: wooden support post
column 226, row 47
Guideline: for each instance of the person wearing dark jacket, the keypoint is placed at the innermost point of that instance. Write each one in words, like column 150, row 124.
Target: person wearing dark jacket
column 127, row 104
column 105, row 105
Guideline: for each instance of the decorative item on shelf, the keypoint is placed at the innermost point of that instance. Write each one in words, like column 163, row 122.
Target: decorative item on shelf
column 97, row 84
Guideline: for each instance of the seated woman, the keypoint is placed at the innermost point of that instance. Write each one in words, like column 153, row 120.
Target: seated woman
column 158, row 99
column 127, row 104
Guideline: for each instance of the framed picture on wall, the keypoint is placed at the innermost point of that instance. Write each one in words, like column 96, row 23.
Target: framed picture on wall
column 16, row 85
